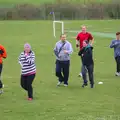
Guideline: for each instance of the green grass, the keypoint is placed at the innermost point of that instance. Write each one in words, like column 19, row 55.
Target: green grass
column 50, row 1
column 51, row 102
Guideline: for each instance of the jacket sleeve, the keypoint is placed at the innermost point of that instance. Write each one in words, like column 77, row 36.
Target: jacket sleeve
column 56, row 51
column 81, row 52
column 4, row 55
column 113, row 44
column 90, row 52
column 77, row 37
column 20, row 61
column 70, row 49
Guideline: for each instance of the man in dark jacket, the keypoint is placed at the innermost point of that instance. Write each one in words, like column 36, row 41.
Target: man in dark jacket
column 87, row 60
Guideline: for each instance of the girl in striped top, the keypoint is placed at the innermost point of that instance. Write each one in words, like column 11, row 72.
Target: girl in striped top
column 28, row 69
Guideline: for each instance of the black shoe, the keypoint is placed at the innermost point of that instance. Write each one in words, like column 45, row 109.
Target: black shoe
column 92, row 86
column 85, row 84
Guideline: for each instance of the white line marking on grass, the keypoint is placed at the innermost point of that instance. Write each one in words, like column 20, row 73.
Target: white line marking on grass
column 10, row 77
column 107, row 35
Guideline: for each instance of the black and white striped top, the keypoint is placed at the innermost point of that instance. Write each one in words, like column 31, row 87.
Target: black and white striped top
column 27, row 63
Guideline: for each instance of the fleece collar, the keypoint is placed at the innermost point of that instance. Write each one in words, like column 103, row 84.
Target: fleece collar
column 88, row 46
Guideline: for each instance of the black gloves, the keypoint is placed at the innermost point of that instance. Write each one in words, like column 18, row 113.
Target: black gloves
column 77, row 45
column 1, row 52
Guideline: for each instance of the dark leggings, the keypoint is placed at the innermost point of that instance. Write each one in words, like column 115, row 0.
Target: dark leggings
column 1, row 84
column 26, row 83
column 90, row 70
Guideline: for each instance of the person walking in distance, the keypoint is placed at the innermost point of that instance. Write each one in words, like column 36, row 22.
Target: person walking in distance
column 116, row 45
column 87, row 61
column 28, row 69
column 62, row 51
column 3, row 54
column 81, row 37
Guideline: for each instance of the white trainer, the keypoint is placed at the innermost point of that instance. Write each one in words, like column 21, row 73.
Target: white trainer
column 117, row 74
column 59, row 83
column 3, row 86
column 80, row 75
column 1, row 91
column 65, row 85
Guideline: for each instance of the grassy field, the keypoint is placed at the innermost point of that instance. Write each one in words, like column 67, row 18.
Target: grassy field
column 51, row 102
column 50, row 1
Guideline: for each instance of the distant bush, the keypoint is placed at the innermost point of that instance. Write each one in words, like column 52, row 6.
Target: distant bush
column 63, row 11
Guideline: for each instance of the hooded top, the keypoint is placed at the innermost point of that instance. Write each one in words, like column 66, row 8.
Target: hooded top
column 86, row 55
column 3, row 53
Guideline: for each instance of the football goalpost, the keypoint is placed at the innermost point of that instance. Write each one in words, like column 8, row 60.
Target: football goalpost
column 74, row 30
column 61, row 27
column 54, row 27
column 54, row 24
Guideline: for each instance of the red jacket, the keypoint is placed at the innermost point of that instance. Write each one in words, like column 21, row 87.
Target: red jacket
column 4, row 55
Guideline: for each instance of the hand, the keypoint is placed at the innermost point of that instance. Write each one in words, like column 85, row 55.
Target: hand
column 91, row 44
column 77, row 45
column 65, row 51
column 26, row 54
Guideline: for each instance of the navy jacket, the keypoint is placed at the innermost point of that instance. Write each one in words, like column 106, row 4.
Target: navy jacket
column 116, row 45
column 86, row 55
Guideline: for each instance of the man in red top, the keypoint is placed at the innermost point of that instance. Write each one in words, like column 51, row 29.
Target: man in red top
column 82, row 36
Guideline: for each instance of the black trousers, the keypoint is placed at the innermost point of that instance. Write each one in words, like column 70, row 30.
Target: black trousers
column 62, row 71
column 26, row 83
column 117, row 64
column 90, row 70
column 1, row 84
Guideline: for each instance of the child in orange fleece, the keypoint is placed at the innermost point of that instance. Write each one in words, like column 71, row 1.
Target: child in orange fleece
column 3, row 54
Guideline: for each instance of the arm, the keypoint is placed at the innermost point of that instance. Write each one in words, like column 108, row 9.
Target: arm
column 91, row 39
column 81, row 52
column 56, row 51
column 113, row 44
column 31, row 58
column 19, row 60
column 4, row 54
column 69, row 49
column 77, row 41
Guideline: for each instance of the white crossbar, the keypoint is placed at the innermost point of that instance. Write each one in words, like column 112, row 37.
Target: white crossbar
column 58, row 21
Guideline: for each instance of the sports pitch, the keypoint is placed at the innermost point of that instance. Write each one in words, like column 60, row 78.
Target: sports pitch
column 59, row 103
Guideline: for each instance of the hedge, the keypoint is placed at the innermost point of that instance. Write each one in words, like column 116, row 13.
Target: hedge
column 63, row 11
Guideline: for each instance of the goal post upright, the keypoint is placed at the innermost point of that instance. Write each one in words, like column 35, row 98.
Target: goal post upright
column 54, row 27
column 54, row 24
